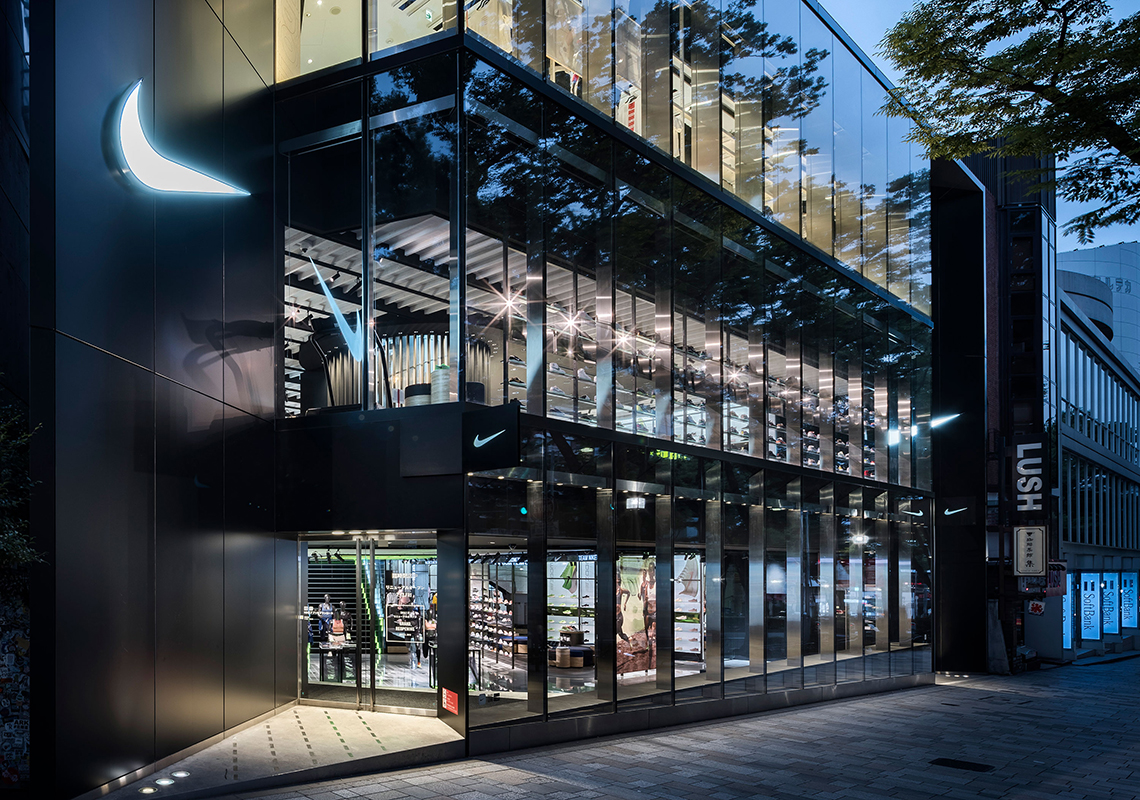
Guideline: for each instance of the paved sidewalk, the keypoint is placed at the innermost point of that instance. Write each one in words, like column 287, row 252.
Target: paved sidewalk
column 1064, row 732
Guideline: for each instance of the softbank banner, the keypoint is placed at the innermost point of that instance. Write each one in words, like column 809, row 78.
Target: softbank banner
column 1067, row 613
column 1110, row 602
column 1128, row 599
column 1090, row 605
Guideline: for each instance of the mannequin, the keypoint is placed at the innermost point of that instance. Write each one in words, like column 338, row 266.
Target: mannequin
column 325, row 612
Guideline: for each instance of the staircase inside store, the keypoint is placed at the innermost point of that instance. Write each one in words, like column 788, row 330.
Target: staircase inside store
column 337, row 579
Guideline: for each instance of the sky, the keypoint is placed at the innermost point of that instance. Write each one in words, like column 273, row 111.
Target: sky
column 866, row 21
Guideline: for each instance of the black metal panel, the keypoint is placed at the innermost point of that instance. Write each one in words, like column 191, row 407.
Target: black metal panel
column 250, row 564
column 188, row 567
column 491, row 437
column 287, row 614
column 104, row 670
column 251, row 23
column 451, row 549
column 959, row 387
column 188, row 229
column 251, row 235
column 104, row 239
column 433, row 449
column 342, row 471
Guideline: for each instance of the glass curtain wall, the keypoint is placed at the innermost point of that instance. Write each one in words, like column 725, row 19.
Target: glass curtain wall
column 586, row 284
column 759, row 98
column 412, row 146
column 323, row 317
column 579, row 564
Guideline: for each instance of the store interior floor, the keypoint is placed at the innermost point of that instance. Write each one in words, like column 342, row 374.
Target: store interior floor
column 299, row 739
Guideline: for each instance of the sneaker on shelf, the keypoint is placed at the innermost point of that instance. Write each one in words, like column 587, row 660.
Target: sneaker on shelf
column 516, row 360
column 516, row 382
column 557, row 390
column 584, row 376
column 556, row 368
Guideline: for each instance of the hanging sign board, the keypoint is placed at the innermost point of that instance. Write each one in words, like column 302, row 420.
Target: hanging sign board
column 1030, row 549
column 1058, row 580
column 1128, row 599
column 1090, row 605
column 1029, row 477
column 404, row 624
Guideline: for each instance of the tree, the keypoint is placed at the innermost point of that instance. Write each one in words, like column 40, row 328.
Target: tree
column 1027, row 77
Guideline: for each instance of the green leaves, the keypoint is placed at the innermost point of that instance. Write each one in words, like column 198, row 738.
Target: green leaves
column 1018, row 78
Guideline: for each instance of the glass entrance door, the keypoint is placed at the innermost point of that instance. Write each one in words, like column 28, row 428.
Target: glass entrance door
column 370, row 611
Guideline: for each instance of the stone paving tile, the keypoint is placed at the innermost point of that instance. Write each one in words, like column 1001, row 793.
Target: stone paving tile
column 1059, row 734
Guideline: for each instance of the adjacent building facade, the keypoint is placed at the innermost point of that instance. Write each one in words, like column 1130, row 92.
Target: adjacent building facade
column 583, row 352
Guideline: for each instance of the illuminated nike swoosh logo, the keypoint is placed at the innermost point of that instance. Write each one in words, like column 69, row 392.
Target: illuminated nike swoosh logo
column 914, row 513
column 480, row 442
column 950, row 513
column 354, row 339
column 154, row 170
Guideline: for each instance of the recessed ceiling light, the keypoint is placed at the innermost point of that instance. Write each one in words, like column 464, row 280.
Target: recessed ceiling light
column 148, row 790
column 181, row 774
column 165, row 781
column 310, row 61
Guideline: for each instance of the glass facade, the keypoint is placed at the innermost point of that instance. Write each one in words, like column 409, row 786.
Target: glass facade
column 584, row 282
column 1099, row 466
column 724, row 487
column 759, row 98
column 651, row 577
column 1096, row 402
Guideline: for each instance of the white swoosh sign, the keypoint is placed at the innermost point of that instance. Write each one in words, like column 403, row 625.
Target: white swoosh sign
column 154, row 170
column 950, row 513
column 914, row 513
column 354, row 339
column 480, row 442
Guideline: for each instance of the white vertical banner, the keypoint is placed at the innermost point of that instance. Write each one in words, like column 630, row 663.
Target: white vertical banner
column 1128, row 599
column 1067, row 613
column 1110, row 602
column 1090, row 605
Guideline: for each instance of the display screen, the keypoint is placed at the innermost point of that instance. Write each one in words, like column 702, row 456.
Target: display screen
column 1110, row 602
column 637, row 614
column 1067, row 614
column 1090, row 605
column 1128, row 599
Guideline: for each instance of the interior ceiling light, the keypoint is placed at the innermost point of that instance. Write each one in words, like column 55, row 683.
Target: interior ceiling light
column 154, row 170
column 165, row 781
column 180, row 774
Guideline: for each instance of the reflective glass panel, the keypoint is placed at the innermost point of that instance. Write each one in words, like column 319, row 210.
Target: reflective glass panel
column 315, row 34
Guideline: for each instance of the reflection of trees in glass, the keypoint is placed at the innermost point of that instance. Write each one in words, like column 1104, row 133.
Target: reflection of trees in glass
column 772, row 86
column 413, row 158
column 896, row 229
